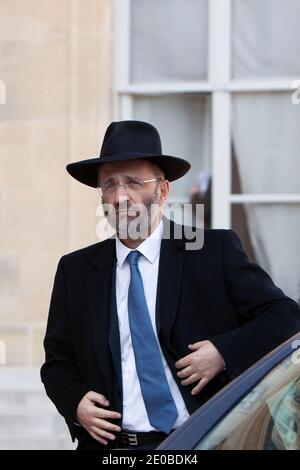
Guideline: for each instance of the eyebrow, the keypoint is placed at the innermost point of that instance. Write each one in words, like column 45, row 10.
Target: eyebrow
column 112, row 178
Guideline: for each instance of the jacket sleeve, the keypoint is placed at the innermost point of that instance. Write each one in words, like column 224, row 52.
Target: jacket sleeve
column 267, row 316
column 59, row 373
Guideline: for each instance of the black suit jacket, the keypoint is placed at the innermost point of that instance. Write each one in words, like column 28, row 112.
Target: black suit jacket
column 213, row 293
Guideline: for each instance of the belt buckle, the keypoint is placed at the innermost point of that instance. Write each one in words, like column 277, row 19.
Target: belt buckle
column 131, row 437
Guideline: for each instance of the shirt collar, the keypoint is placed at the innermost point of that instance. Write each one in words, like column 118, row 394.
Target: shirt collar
column 149, row 248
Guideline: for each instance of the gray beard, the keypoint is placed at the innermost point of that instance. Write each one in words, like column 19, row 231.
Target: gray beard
column 138, row 226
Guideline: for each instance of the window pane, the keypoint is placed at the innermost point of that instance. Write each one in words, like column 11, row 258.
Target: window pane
column 265, row 130
column 270, row 236
column 168, row 40
column 184, row 126
column 266, row 419
column 266, row 38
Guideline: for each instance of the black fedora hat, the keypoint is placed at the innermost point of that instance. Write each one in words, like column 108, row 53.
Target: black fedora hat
column 128, row 140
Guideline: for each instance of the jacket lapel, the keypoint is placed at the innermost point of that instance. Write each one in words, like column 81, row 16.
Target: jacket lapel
column 99, row 284
column 169, row 280
column 114, row 333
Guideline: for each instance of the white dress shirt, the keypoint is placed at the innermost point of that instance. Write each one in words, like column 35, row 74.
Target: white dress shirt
column 135, row 415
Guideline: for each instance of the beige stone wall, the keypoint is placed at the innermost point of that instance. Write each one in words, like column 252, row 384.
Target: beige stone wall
column 56, row 60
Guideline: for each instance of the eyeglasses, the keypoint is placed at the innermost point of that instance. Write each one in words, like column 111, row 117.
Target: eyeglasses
column 132, row 185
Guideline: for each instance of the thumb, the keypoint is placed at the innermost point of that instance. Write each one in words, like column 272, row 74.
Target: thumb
column 195, row 346
column 98, row 398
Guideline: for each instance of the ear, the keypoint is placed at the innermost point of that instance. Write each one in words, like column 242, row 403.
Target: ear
column 164, row 191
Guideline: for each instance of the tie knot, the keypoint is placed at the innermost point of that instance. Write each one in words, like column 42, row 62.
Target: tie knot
column 133, row 257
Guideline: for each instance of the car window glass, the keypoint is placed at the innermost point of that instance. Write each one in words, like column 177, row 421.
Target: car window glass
column 266, row 418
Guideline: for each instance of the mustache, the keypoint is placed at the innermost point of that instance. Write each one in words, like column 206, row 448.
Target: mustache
column 128, row 207
column 113, row 210
column 123, row 206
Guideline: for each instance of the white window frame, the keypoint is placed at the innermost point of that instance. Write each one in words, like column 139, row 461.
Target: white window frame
column 219, row 85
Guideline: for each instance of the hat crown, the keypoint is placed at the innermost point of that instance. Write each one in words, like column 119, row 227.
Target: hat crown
column 125, row 141
column 134, row 137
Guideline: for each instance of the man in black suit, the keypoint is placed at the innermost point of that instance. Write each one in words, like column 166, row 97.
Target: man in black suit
column 143, row 329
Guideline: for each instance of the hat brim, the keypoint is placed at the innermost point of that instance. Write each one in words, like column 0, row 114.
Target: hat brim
column 86, row 171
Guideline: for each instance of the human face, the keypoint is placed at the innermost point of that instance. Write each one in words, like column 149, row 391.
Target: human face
column 131, row 210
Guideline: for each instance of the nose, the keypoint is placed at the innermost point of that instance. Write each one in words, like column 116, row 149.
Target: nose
column 121, row 195
column 121, row 189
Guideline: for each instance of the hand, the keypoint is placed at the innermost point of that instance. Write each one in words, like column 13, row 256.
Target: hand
column 202, row 365
column 95, row 419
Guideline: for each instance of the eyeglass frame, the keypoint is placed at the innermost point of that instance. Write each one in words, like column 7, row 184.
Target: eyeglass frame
column 125, row 185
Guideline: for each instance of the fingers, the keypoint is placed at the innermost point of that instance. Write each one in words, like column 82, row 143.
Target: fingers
column 196, row 346
column 93, row 415
column 102, row 434
column 100, row 430
column 184, row 362
column 106, row 414
column 103, row 430
column 96, row 435
column 184, row 373
column 192, row 368
column 97, row 398
column 200, row 386
column 190, row 380
column 106, row 425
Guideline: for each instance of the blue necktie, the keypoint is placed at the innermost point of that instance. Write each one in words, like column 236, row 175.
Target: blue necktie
column 160, row 406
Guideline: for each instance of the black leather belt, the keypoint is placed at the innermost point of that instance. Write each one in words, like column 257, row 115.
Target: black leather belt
column 131, row 438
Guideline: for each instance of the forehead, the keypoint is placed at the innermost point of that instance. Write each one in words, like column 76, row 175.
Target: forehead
column 129, row 167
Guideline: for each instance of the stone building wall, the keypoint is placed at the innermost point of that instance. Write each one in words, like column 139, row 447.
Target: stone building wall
column 57, row 67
